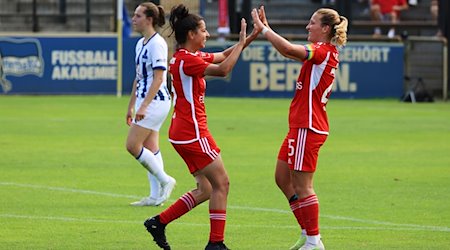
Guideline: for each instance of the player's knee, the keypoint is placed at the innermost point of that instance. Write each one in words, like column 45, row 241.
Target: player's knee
column 205, row 195
column 204, row 191
column 225, row 185
column 133, row 149
column 302, row 189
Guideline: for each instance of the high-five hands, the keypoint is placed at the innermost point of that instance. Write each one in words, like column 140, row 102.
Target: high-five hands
column 259, row 19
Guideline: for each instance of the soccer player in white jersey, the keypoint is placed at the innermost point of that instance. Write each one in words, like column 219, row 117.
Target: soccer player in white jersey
column 149, row 102
column 308, row 122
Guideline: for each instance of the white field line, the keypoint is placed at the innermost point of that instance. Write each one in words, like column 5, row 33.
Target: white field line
column 399, row 227
column 69, row 190
column 92, row 220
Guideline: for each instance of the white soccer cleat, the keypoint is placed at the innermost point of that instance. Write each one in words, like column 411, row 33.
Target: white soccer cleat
column 309, row 246
column 147, row 201
column 166, row 190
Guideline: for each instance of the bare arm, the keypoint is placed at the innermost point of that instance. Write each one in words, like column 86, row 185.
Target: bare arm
column 154, row 87
column 287, row 49
column 131, row 103
column 220, row 56
column 228, row 63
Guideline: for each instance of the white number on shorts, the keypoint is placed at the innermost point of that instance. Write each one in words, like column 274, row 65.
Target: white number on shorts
column 291, row 147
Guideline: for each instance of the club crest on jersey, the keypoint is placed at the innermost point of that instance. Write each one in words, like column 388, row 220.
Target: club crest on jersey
column 19, row 57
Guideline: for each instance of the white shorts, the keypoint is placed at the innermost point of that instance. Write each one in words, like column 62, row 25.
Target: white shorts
column 155, row 114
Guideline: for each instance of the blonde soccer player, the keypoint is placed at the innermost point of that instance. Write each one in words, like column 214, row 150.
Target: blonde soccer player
column 308, row 122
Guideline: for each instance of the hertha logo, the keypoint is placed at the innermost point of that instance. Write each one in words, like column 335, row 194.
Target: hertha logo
column 19, row 57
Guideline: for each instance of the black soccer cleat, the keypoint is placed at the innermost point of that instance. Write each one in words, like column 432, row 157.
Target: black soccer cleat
column 157, row 230
column 216, row 246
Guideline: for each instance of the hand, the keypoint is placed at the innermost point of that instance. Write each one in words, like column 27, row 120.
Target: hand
column 262, row 16
column 257, row 24
column 140, row 114
column 243, row 33
column 129, row 117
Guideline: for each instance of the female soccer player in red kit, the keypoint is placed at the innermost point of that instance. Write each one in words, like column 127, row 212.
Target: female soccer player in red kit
column 189, row 132
column 308, row 122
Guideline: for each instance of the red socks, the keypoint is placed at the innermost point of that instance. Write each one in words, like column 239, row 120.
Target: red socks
column 309, row 210
column 186, row 203
column 217, row 221
column 295, row 208
column 183, row 205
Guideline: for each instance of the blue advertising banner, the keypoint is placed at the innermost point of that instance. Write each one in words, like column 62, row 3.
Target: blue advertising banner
column 88, row 65
column 64, row 65
column 366, row 70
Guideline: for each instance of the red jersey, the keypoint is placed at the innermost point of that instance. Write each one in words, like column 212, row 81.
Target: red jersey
column 313, row 88
column 386, row 6
column 189, row 115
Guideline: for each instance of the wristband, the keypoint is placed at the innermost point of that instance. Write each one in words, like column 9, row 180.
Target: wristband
column 264, row 30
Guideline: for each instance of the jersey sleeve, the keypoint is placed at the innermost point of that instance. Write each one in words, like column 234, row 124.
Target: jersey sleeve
column 159, row 56
column 209, row 57
column 195, row 65
column 315, row 53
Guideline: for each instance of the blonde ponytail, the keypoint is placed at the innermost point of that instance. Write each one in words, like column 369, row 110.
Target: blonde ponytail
column 338, row 24
column 340, row 32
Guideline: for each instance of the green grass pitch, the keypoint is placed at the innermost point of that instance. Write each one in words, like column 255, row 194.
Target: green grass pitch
column 66, row 180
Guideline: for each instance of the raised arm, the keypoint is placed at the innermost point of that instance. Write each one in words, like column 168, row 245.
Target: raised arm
column 220, row 56
column 287, row 49
column 223, row 68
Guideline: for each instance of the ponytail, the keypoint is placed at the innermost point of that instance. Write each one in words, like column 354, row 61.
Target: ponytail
column 181, row 22
column 338, row 24
column 155, row 12
column 340, row 32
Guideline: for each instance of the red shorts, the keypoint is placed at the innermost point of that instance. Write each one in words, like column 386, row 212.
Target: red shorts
column 300, row 149
column 198, row 154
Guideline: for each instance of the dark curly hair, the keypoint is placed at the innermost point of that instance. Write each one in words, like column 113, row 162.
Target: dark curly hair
column 181, row 22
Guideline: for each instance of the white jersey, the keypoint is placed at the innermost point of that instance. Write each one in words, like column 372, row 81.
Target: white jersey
column 151, row 56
